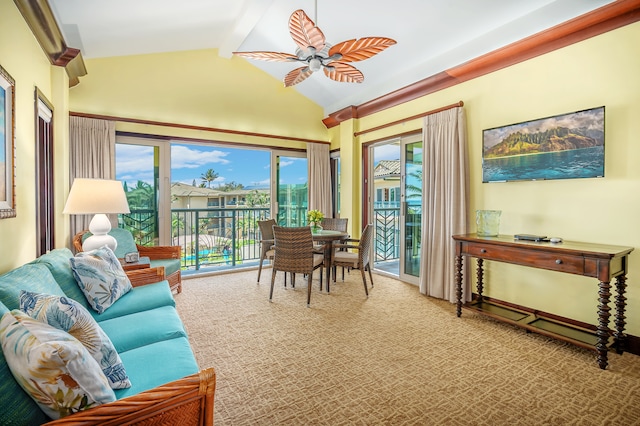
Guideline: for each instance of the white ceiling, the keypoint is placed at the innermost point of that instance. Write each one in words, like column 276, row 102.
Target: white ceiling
column 431, row 35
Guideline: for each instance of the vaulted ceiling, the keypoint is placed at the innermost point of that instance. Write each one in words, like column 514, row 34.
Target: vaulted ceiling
column 431, row 36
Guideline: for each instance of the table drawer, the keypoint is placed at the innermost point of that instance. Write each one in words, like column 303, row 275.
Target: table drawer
column 545, row 260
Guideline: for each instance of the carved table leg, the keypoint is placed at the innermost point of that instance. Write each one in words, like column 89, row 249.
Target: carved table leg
column 480, row 275
column 458, row 268
column 603, row 323
column 619, row 337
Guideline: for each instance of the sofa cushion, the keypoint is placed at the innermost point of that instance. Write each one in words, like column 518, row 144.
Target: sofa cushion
column 139, row 299
column 17, row 407
column 100, row 277
column 57, row 261
column 68, row 315
column 156, row 364
column 52, row 366
column 29, row 277
column 143, row 328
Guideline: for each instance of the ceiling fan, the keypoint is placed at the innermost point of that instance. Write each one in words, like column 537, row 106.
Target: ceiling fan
column 316, row 53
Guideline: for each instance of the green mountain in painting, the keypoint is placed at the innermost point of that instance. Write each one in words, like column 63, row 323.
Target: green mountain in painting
column 556, row 139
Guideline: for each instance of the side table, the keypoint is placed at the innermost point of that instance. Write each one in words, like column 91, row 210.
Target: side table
column 142, row 263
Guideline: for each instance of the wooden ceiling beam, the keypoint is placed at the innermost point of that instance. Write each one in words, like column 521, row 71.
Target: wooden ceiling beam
column 39, row 17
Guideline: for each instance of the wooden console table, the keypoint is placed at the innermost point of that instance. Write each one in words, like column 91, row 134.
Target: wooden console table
column 603, row 262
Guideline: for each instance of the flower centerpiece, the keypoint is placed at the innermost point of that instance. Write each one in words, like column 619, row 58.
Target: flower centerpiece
column 315, row 217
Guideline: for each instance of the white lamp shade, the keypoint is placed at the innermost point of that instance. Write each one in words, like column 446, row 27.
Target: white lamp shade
column 99, row 196
column 88, row 196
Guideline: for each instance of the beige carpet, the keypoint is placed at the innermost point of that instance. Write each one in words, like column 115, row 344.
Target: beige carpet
column 396, row 358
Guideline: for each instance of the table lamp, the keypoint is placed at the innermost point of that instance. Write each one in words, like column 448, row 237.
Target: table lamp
column 99, row 197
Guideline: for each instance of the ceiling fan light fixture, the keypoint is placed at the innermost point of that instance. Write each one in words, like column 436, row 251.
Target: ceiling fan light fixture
column 313, row 51
column 315, row 64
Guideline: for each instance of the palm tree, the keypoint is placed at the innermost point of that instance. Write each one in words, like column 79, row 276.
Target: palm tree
column 257, row 199
column 231, row 186
column 209, row 176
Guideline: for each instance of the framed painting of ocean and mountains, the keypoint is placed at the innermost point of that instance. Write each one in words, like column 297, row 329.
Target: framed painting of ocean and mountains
column 565, row 146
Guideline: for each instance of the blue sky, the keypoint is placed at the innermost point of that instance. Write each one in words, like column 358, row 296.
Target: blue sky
column 250, row 167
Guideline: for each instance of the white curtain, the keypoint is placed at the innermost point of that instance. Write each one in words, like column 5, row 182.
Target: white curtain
column 444, row 201
column 319, row 178
column 91, row 155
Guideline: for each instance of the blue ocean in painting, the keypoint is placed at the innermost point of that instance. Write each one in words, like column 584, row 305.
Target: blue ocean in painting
column 568, row 164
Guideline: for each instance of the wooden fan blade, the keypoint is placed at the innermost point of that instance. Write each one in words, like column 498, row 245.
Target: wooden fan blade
column 361, row 49
column 344, row 73
column 296, row 76
column 268, row 56
column 304, row 31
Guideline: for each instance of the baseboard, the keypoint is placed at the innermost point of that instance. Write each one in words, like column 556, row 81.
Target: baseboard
column 633, row 344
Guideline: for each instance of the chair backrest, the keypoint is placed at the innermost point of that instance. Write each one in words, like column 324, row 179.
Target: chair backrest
column 335, row 224
column 364, row 247
column 126, row 243
column 294, row 249
column 266, row 228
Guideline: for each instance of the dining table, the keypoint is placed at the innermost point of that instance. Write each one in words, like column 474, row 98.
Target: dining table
column 327, row 237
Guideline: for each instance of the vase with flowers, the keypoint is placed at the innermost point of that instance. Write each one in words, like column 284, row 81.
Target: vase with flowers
column 314, row 217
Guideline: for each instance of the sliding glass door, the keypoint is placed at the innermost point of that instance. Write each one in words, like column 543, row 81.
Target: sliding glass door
column 290, row 178
column 396, row 206
column 411, row 215
column 139, row 165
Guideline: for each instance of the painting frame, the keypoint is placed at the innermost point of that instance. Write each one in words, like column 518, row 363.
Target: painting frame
column 7, row 145
column 562, row 146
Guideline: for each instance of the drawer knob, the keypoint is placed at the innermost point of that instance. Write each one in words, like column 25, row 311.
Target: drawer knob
column 559, row 261
column 483, row 250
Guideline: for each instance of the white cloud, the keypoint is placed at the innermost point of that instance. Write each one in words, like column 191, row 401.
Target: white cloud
column 190, row 158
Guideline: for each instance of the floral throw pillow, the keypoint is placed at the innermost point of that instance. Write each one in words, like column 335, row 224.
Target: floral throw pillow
column 52, row 366
column 68, row 315
column 100, row 277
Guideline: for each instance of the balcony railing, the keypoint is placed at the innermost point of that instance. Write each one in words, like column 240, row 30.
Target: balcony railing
column 222, row 238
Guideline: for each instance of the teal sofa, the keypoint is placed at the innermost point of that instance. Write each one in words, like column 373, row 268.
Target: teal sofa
column 148, row 334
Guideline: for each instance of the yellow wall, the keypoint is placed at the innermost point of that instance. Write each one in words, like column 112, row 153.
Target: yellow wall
column 22, row 57
column 197, row 88
column 600, row 71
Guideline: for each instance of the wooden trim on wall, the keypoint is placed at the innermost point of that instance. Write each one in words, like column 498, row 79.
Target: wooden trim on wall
column 216, row 142
column 191, row 127
column 599, row 21
column 413, row 117
column 39, row 17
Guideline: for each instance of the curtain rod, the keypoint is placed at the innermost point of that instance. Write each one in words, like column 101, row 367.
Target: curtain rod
column 413, row 117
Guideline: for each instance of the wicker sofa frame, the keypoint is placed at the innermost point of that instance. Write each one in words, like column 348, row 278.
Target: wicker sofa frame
column 187, row 401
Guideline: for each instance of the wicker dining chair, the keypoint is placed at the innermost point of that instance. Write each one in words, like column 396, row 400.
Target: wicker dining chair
column 361, row 259
column 266, row 242
column 294, row 253
column 335, row 224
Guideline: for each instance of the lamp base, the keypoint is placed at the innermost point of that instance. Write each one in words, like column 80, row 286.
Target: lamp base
column 100, row 226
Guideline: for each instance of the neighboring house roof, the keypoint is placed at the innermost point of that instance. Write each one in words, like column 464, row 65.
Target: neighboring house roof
column 183, row 190
column 179, row 189
column 386, row 169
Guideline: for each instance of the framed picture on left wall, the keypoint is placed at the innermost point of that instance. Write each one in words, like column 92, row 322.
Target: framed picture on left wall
column 7, row 131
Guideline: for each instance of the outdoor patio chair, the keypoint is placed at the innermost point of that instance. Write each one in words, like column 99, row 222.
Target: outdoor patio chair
column 361, row 259
column 294, row 253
